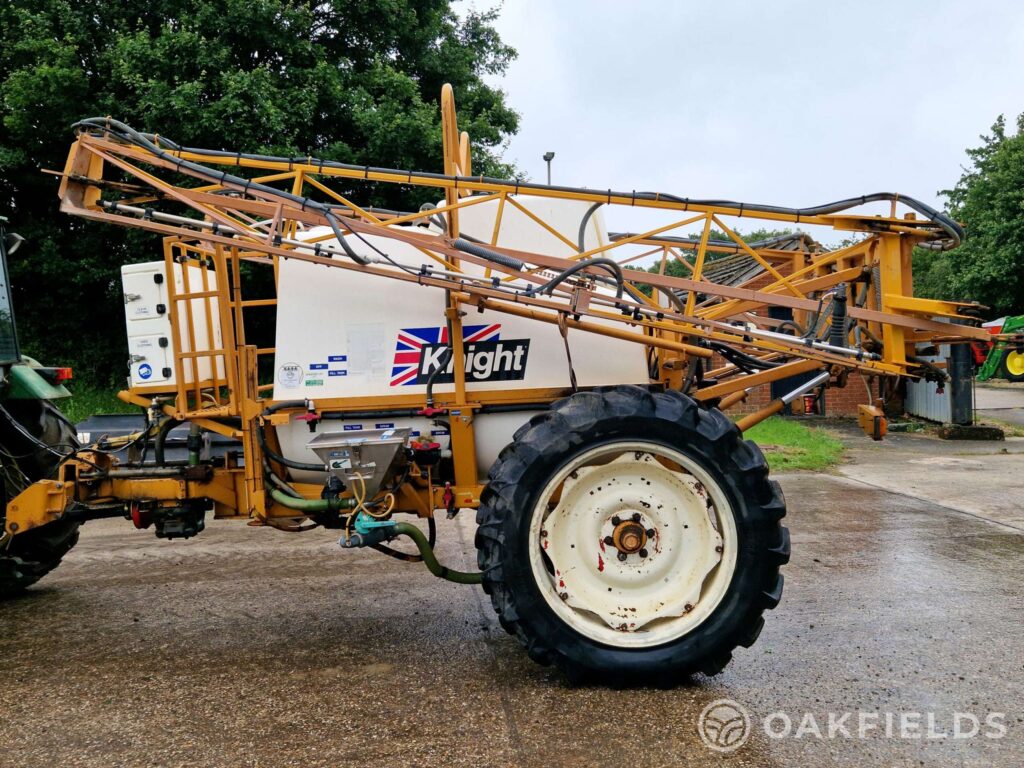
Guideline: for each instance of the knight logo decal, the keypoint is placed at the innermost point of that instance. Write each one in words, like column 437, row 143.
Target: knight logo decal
column 488, row 357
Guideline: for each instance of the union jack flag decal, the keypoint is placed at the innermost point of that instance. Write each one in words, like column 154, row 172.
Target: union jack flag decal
column 412, row 342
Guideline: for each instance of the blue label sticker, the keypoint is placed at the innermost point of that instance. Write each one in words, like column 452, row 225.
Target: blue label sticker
column 337, row 358
column 318, row 366
column 384, row 425
column 337, row 373
column 145, row 371
column 414, row 433
column 439, row 431
column 353, row 427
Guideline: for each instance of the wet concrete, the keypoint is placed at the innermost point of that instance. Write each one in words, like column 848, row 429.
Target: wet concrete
column 247, row 647
column 980, row 477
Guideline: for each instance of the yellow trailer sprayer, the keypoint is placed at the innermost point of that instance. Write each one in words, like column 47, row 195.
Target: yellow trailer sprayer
column 494, row 351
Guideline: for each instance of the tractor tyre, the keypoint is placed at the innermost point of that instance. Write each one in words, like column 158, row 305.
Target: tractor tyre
column 628, row 537
column 29, row 556
column 1011, row 367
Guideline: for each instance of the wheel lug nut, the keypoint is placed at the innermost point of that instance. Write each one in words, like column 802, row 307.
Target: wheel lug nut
column 616, row 520
column 642, row 553
column 651, row 532
column 609, row 541
column 636, row 517
column 622, row 555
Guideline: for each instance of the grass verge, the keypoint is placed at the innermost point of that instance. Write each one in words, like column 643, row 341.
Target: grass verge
column 85, row 401
column 1010, row 430
column 790, row 445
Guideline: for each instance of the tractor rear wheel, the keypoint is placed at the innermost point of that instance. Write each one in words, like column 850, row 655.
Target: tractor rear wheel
column 31, row 555
column 1011, row 367
column 631, row 536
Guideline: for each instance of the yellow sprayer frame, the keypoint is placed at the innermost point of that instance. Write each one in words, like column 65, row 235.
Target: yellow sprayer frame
column 230, row 221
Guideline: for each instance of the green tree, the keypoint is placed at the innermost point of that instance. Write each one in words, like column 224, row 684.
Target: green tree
column 989, row 200
column 352, row 80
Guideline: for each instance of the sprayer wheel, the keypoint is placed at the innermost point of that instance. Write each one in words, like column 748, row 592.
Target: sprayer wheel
column 630, row 536
column 31, row 555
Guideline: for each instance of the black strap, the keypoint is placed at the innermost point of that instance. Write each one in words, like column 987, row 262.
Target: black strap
column 563, row 328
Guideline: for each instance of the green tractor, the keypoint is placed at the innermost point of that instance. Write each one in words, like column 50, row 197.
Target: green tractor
column 1005, row 359
column 34, row 438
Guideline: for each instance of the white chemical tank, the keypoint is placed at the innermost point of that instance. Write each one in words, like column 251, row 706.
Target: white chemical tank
column 346, row 334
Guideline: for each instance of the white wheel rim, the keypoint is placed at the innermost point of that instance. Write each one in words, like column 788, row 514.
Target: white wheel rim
column 650, row 597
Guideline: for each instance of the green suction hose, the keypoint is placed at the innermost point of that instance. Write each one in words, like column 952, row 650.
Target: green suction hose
column 430, row 560
column 398, row 529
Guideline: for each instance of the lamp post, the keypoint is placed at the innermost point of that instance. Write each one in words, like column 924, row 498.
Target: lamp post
column 548, row 157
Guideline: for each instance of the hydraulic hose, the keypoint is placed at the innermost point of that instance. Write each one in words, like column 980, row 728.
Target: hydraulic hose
column 954, row 233
column 487, row 254
column 581, row 238
column 837, row 331
column 430, row 559
column 261, row 437
column 736, row 357
column 130, row 135
column 608, row 265
column 445, row 359
column 277, row 481
column 312, row 505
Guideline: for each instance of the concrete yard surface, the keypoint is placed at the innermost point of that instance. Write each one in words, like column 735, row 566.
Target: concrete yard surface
column 1000, row 400
column 249, row 647
column 980, row 477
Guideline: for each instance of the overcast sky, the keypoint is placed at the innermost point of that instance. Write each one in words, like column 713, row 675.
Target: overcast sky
column 787, row 102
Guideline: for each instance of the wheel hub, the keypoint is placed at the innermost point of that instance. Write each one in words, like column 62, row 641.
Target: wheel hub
column 629, row 536
column 631, row 544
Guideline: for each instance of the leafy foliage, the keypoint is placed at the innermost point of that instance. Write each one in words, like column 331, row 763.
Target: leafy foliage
column 352, row 80
column 989, row 200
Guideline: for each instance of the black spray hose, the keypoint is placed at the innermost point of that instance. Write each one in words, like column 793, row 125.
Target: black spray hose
column 673, row 299
column 487, row 254
column 445, row 359
column 261, row 437
column 581, row 238
column 128, row 134
column 954, row 232
column 837, row 332
column 278, row 482
column 691, row 373
column 160, row 441
column 741, row 359
column 468, row 244
column 608, row 265
column 797, row 330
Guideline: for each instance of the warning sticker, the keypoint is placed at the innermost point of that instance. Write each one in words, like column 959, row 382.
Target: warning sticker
column 290, row 375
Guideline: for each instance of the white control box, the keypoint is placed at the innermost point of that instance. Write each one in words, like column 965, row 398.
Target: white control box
column 151, row 339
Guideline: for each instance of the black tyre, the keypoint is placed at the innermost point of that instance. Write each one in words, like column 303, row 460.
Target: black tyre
column 1011, row 367
column 31, row 555
column 627, row 536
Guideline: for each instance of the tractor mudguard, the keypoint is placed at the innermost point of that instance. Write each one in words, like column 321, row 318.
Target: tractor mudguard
column 26, row 383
